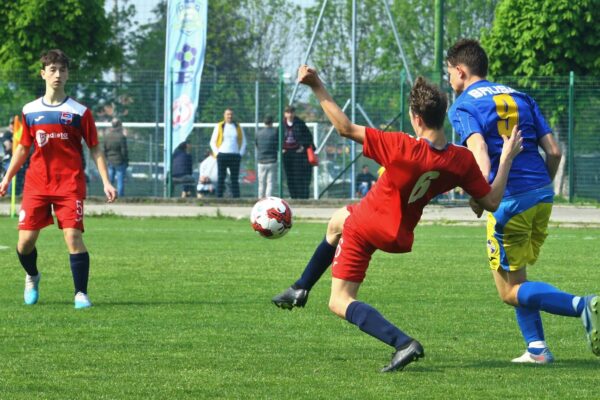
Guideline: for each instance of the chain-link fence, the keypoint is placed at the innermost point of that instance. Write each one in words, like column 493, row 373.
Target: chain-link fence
column 570, row 105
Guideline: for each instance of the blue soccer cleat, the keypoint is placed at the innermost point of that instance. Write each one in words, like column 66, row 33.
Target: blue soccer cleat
column 32, row 292
column 82, row 301
column 591, row 322
column 545, row 357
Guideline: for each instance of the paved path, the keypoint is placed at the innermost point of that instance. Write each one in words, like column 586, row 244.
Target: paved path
column 561, row 215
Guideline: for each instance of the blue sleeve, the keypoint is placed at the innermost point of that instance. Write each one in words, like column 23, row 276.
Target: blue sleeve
column 464, row 122
column 541, row 126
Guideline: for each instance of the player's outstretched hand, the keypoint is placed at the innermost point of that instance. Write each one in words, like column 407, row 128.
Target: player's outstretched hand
column 475, row 207
column 3, row 187
column 308, row 76
column 111, row 192
column 513, row 145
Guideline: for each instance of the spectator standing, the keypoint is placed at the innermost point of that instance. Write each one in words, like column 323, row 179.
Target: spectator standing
column 208, row 175
column 364, row 181
column 296, row 140
column 228, row 144
column 182, row 168
column 266, row 146
column 115, row 151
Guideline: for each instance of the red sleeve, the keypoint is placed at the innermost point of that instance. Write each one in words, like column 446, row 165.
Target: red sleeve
column 473, row 181
column 383, row 146
column 26, row 138
column 89, row 133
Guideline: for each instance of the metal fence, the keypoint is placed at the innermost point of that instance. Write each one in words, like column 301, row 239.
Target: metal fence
column 570, row 103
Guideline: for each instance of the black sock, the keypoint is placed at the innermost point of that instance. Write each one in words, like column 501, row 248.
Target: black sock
column 29, row 262
column 80, row 267
column 370, row 321
column 318, row 264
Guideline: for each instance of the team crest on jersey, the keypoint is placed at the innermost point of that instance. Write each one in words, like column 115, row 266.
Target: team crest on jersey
column 41, row 137
column 66, row 118
column 492, row 248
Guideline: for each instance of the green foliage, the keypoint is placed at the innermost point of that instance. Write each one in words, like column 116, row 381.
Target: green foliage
column 182, row 311
column 544, row 38
column 79, row 27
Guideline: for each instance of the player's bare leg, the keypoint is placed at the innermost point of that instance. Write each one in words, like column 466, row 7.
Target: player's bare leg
column 343, row 303
column 80, row 265
column 297, row 294
column 27, row 254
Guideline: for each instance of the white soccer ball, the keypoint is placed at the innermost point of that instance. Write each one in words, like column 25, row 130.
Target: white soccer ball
column 271, row 217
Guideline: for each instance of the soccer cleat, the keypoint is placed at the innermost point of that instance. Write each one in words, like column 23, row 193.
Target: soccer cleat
column 32, row 292
column 291, row 298
column 591, row 322
column 545, row 357
column 404, row 356
column 82, row 300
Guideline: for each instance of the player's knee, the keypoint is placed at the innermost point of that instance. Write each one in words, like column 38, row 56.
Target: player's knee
column 25, row 246
column 337, row 307
column 74, row 240
column 508, row 296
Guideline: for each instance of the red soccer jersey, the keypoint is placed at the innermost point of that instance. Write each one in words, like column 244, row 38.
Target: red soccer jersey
column 56, row 165
column 415, row 172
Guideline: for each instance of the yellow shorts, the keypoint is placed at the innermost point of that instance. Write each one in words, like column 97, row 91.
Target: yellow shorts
column 517, row 230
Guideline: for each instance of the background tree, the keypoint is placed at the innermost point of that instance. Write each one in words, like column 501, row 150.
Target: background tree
column 536, row 39
column 28, row 27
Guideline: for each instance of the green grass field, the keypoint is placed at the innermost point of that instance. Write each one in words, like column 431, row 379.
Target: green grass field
column 182, row 311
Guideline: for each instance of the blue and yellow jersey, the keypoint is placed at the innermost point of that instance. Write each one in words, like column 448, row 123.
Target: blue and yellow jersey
column 492, row 110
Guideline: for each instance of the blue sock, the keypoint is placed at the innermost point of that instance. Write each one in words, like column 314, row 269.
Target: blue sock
column 80, row 267
column 530, row 323
column 370, row 321
column 29, row 262
column 318, row 264
column 545, row 297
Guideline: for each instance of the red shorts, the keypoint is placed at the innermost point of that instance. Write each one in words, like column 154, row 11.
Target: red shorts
column 352, row 256
column 36, row 212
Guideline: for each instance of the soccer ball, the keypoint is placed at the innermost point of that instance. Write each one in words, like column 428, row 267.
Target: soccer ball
column 271, row 217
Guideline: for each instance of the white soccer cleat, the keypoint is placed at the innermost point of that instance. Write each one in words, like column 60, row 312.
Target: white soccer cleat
column 591, row 322
column 545, row 357
column 82, row 300
column 32, row 292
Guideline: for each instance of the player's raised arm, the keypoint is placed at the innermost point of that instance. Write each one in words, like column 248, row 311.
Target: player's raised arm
column 511, row 148
column 308, row 76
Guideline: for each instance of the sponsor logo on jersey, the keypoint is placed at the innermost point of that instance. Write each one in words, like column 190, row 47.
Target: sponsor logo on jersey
column 38, row 119
column 66, row 118
column 42, row 137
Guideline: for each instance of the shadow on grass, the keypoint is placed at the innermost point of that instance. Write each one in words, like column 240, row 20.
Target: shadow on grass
column 591, row 364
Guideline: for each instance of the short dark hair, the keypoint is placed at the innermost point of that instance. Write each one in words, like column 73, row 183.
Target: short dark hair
column 470, row 53
column 54, row 56
column 290, row 109
column 268, row 120
column 428, row 102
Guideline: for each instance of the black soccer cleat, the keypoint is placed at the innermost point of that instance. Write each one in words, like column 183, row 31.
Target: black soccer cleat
column 404, row 356
column 291, row 298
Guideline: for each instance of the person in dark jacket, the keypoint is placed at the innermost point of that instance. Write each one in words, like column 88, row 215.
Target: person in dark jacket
column 182, row 169
column 297, row 138
column 115, row 151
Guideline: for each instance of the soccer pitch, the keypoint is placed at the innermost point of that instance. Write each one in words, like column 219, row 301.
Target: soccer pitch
column 182, row 311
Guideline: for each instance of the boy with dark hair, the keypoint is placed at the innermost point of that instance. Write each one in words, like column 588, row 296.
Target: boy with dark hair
column 483, row 114
column 416, row 171
column 55, row 125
